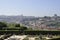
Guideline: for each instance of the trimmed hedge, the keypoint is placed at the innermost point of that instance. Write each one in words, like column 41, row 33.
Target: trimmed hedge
column 42, row 32
column 29, row 32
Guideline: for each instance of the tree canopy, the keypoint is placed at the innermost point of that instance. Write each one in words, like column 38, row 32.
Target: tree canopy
column 17, row 25
column 2, row 24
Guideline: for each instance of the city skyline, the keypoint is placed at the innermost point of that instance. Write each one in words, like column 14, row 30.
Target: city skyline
column 30, row 7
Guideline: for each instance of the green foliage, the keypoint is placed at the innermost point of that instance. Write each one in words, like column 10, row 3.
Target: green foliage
column 30, row 29
column 11, row 25
column 2, row 24
column 55, row 24
column 17, row 25
column 23, row 28
column 30, row 32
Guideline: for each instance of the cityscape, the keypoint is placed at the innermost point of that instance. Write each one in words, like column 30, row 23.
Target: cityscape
column 23, row 27
column 35, row 23
column 29, row 19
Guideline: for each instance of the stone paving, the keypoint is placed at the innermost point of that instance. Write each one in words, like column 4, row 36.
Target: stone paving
column 20, row 37
column 16, row 37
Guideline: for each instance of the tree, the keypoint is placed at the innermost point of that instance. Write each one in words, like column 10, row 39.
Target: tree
column 45, row 17
column 17, row 25
column 2, row 25
column 23, row 28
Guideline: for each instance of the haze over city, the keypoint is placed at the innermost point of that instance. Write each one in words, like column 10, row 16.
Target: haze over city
column 30, row 7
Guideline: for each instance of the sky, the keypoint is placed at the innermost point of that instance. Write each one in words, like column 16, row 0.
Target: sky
column 30, row 7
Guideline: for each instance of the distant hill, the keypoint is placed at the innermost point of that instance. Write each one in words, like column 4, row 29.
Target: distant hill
column 16, row 18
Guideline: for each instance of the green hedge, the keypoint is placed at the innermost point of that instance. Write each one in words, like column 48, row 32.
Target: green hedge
column 42, row 32
column 29, row 32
